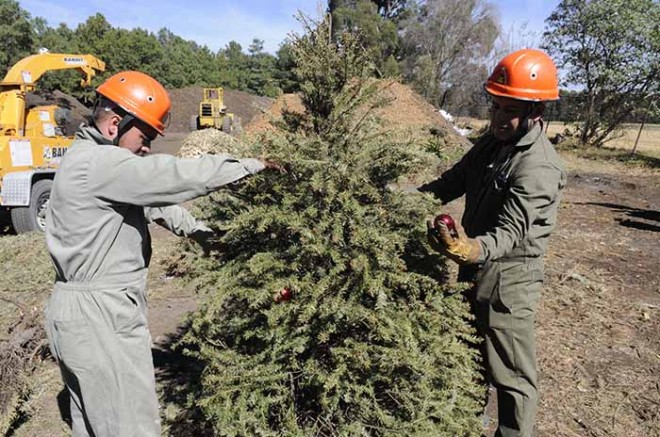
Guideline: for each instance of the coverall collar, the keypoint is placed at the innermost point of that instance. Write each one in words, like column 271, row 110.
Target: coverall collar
column 531, row 136
column 87, row 132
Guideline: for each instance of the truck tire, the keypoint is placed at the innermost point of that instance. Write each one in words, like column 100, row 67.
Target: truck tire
column 194, row 125
column 226, row 125
column 33, row 217
column 237, row 127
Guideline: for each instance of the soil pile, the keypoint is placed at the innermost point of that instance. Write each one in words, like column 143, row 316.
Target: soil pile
column 403, row 109
column 185, row 104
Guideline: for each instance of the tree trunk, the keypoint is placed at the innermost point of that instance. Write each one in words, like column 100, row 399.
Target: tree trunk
column 639, row 134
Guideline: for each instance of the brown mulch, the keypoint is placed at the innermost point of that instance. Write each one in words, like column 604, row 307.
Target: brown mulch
column 185, row 103
column 211, row 142
column 403, row 109
column 78, row 112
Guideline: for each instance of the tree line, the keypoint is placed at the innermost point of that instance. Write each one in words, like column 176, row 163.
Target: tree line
column 173, row 60
column 444, row 49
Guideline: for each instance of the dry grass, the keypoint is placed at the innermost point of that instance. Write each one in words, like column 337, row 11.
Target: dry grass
column 624, row 141
column 649, row 140
column 27, row 276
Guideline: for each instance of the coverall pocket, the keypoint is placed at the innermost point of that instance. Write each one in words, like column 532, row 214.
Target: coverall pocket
column 516, row 295
column 125, row 309
column 487, row 282
column 73, row 345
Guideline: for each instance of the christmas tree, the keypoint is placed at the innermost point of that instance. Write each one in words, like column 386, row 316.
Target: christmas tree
column 324, row 311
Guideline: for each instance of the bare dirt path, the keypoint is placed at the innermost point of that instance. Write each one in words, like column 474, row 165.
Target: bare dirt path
column 598, row 324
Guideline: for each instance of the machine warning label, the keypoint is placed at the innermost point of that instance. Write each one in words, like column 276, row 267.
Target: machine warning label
column 72, row 60
column 21, row 153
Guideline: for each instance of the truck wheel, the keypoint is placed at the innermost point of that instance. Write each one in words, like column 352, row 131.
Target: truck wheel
column 33, row 217
column 194, row 125
column 226, row 125
column 237, row 127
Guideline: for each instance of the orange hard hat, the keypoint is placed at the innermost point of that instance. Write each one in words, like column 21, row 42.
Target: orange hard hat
column 140, row 95
column 526, row 74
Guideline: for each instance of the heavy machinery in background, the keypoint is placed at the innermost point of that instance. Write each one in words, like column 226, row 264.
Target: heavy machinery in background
column 213, row 113
column 33, row 140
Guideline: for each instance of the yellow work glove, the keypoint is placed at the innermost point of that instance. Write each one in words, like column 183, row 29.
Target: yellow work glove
column 458, row 247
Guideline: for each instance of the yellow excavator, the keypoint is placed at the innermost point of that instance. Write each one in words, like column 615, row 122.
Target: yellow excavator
column 33, row 141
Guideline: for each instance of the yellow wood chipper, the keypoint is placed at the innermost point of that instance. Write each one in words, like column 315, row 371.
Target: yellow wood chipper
column 33, row 141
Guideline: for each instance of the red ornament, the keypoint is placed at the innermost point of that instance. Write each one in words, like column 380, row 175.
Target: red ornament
column 448, row 221
column 284, row 295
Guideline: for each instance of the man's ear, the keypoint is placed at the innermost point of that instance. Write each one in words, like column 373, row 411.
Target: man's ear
column 113, row 126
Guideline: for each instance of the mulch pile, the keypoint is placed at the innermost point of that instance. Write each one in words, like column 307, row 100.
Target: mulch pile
column 78, row 112
column 185, row 103
column 209, row 142
column 403, row 109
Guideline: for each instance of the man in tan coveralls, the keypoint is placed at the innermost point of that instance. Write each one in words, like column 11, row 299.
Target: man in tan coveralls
column 512, row 180
column 104, row 194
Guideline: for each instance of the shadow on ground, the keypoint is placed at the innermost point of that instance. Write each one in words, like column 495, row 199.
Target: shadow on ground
column 638, row 218
column 178, row 375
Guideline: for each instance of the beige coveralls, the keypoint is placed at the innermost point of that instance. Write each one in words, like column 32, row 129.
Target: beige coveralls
column 512, row 194
column 102, row 199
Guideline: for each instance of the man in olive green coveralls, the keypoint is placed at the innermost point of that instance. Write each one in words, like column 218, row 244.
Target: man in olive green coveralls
column 104, row 194
column 512, row 180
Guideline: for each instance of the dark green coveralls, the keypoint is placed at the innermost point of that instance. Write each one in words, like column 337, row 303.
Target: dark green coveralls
column 512, row 194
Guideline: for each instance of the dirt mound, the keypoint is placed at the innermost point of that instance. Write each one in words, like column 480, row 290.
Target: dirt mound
column 404, row 109
column 185, row 103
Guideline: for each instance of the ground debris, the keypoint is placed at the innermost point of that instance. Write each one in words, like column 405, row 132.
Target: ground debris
column 21, row 351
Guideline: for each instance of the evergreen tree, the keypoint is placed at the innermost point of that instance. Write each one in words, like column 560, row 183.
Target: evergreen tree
column 57, row 40
column 16, row 34
column 262, row 70
column 284, row 66
column 233, row 67
column 184, row 62
column 372, row 341
column 377, row 35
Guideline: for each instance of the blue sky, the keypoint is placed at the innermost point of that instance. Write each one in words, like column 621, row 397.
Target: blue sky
column 216, row 22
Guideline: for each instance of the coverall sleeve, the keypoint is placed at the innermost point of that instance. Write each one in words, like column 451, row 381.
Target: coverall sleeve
column 451, row 184
column 531, row 196
column 119, row 176
column 178, row 220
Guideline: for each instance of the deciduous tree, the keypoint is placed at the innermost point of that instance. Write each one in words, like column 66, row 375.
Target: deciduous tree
column 444, row 42
column 611, row 50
